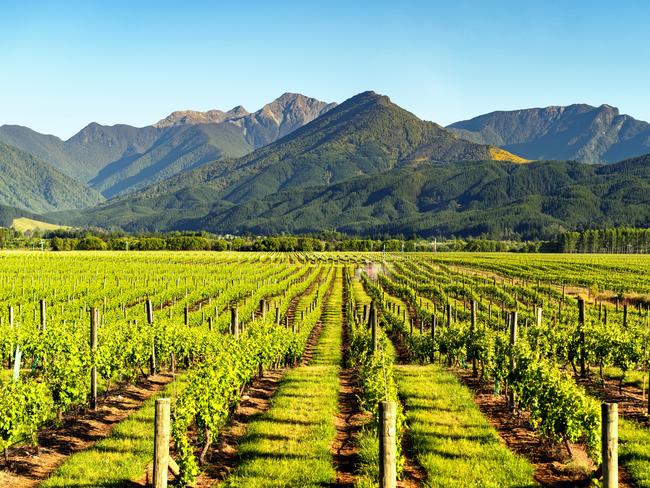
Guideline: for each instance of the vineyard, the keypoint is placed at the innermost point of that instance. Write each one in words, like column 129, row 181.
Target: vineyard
column 323, row 369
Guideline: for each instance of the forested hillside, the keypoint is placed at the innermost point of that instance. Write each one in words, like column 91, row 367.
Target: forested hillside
column 33, row 185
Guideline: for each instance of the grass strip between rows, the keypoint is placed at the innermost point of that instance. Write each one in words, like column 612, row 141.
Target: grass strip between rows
column 289, row 445
column 450, row 437
column 119, row 459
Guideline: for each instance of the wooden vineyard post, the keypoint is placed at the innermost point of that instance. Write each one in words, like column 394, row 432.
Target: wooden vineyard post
column 17, row 359
column 581, row 326
column 263, row 309
column 625, row 315
column 186, row 315
column 448, row 314
column 433, row 337
column 610, row 444
column 473, row 335
column 373, row 325
column 539, row 316
column 43, row 316
column 18, row 353
column 513, row 364
column 648, row 395
column 234, row 322
column 210, row 325
column 161, row 443
column 600, row 310
column 43, row 326
column 387, row 445
column 149, row 310
column 277, row 316
column 93, row 349
column 366, row 316
column 152, row 359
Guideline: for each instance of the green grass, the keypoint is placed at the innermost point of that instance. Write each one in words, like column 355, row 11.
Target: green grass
column 634, row 451
column 451, row 439
column 289, row 445
column 24, row 224
column 368, row 466
column 360, row 295
column 635, row 378
column 118, row 459
column 634, row 439
column 5, row 375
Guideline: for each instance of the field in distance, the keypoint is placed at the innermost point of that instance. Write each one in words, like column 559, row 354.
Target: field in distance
column 23, row 224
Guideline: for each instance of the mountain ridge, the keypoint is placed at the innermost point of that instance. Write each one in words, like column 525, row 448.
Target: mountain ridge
column 494, row 199
column 28, row 183
column 140, row 156
column 367, row 135
column 574, row 132
column 370, row 167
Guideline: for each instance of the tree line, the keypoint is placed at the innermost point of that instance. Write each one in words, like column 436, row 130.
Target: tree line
column 621, row 240
column 612, row 240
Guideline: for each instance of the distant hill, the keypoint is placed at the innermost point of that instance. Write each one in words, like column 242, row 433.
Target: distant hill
column 118, row 159
column 28, row 183
column 576, row 132
column 497, row 199
column 9, row 214
column 491, row 198
column 366, row 135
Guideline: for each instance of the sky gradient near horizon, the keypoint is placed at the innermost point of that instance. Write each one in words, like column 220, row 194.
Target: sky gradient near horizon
column 66, row 64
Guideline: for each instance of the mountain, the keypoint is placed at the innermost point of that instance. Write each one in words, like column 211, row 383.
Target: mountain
column 493, row 198
column 174, row 150
column 192, row 117
column 281, row 117
column 366, row 135
column 28, row 183
column 498, row 199
column 272, row 122
column 119, row 159
column 44, row 147
column 576, row 132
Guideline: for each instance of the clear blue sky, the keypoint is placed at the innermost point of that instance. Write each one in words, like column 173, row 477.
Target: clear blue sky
column 64, row 64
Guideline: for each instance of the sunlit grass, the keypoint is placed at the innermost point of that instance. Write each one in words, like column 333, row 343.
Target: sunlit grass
column 634, row 451
column 24, row 224
column 118, row 459
column 289, row 445
column 451, row 439
column 635, row 378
